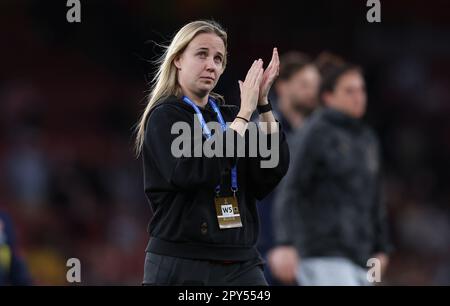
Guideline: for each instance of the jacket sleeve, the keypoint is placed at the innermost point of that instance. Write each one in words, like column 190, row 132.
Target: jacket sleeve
column 292, row 198
column 187, row 171
column 266, row 170
column 382, row 240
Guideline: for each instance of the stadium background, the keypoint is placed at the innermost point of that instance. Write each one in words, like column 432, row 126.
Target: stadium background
column 70, row 94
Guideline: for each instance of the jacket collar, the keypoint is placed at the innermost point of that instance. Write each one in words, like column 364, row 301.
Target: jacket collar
column 340, row 118
column 178, row 102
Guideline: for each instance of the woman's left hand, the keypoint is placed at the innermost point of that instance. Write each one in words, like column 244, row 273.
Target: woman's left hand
column 269, row 76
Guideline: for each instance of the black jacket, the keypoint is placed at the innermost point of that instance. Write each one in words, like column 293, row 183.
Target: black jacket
column 181, row 190
column 329, row 202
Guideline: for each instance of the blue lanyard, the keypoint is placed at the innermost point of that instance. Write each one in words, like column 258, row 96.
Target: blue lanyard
column 208, row 135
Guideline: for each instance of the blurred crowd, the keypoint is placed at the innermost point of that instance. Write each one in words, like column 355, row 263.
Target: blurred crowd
column 73, row 191
column 69, row 100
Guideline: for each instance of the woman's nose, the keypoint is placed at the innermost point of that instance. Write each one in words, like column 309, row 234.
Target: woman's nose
column 210, row 65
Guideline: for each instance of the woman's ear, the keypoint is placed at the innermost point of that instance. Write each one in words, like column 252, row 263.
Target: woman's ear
column 177, row 62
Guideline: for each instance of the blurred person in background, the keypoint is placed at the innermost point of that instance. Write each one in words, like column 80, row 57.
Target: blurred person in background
column 296, row 91
column 192, row 240
column 328, row 217
column 13, row 270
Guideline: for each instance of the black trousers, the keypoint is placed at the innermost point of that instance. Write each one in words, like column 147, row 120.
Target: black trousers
column 168, row 270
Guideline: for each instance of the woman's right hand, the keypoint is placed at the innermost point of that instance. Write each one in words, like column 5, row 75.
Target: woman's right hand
column 250, row 89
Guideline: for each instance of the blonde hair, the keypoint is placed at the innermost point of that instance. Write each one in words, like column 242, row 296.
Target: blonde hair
column 165, row 82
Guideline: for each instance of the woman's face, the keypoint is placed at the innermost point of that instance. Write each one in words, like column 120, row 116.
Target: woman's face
column 349, row 95
column 201, row 64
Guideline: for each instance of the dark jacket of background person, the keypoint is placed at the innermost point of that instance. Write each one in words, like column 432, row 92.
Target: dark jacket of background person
column 181, row 190
column 265, row 206
column 13, row 270
column 329, row 202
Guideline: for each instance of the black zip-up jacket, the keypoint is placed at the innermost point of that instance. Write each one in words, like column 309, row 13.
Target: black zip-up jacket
column 329, row 202
column 181, row 190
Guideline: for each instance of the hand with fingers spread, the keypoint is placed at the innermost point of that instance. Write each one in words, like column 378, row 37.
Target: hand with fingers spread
column 269, row 76
column 250, row 89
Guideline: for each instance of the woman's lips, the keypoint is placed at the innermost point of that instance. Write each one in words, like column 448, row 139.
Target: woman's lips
column 208, row 78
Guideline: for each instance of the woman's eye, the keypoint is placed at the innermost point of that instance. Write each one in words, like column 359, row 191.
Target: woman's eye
column 202, row 54
column 218, row 59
